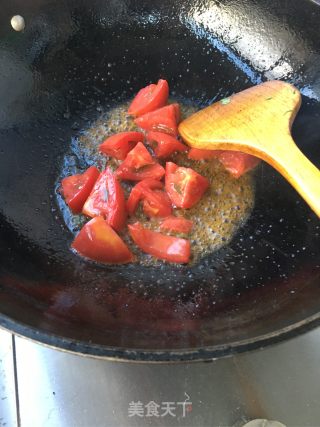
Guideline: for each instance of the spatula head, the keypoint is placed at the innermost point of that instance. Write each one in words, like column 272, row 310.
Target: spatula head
column 248, row 121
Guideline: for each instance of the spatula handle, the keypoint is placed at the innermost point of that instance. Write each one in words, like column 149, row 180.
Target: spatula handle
column 303, row 175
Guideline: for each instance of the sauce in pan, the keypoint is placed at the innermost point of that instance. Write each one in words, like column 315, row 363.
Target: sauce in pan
column 225, row 206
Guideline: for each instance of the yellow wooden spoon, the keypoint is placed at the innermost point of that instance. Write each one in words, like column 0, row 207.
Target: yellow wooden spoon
column 258, row 121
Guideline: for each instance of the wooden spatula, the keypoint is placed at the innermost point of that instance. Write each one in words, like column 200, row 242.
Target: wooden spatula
column 258, row 121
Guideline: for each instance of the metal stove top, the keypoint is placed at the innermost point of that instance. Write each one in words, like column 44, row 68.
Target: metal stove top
column 44, row 387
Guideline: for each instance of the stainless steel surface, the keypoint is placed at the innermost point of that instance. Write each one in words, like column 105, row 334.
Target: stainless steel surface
column 59, row 389
column 8, row 407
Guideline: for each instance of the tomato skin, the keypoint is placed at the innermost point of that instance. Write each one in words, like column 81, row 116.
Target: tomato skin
column 150, row 98
column 140, row 191
column 119, row 145
column 139, row 164
column 168, row 248
column 177, row 112
column 154, row 171
column 158, row 205
column 107, row 199
column 237, row 163
column 177, row 223
column 184, row 186
column 166, row 144
column 76, row 188
column 164, row 120
column 99, row 242
column 117, row 213
column 138, row 157
column 156, row 202
column 197, row 154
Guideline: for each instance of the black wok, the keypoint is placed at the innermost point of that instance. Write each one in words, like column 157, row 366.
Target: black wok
column 55, row 80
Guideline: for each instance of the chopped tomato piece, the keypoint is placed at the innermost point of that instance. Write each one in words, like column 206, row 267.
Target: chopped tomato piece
column 177, row 223
column 155, row 171
column 155, row 201
column 197, row 154
column 184, row 186
column 119, row 145
column 150, row 98
column 99, row 242
column 140, row 191
column 238, row 163
column 169, row 248
column 107, row 199
column 76, row 188
column 165, row 144
column 235, row 162
column 139, row 165
column 177, row 112
column 157, row 204
column 164, row 119
column 138, row 157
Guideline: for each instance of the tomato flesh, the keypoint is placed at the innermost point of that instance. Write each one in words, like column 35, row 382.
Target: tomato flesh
column 138, row 157
column 107, row 199
column 155, row 171
column 76, row 188
column 139, row 164
column 169, row 248
column 119, row 145
column 150, row 98
column 184, row 186
column 157, row 204
column 165, row 144
column 237, row 163
column 164, row 119
column 178, row 224
column 99, row 242
column 140, row 191
column 197, row 154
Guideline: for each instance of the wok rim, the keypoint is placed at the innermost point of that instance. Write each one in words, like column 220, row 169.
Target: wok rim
column 117, row 354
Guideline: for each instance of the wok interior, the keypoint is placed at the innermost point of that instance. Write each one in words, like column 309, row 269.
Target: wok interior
column 78, row 59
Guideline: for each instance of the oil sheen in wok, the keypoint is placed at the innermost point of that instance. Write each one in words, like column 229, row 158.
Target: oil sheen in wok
column 224, row 208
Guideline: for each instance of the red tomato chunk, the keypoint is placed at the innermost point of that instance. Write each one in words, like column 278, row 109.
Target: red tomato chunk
column 169, row 248
column 150, row 98
column 99, row 242
column 76, row 188
column 184, row 186
column 107, row 200
column 196, row 154
column 155, row 171
column 141, row 191
column 177, row 223
column 165, row 144
column 157, row 205
column 235, row 162
column 138, row 157
column 238, row 163
column 139, row 164
column 164, row 119
column 156, row 202
column 119, row 145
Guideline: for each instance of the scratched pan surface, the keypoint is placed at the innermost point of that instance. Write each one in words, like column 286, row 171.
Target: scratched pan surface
column 261, row 288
